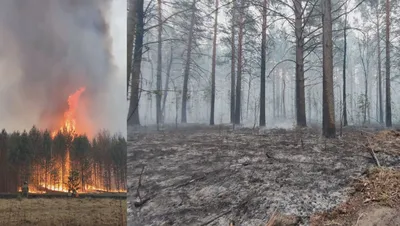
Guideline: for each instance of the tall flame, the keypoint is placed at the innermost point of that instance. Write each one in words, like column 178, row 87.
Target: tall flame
column 69, row 123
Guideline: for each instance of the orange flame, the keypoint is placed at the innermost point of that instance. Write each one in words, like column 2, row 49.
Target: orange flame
column 69, row 123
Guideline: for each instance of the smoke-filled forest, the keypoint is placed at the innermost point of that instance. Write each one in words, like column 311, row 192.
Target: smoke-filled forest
column 257, row 62
column 263, row 112
column 46, row 162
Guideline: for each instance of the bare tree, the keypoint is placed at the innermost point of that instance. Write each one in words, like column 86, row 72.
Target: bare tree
column 240, row 64
column 159, row 65
column 379, row 66
column 263, row 62
column 214, row 56
column 187, row 63
column 345, row 123
column 131, row 27
column 388, row 99
column 133, row 113
column 233, row 60
column 299, row 33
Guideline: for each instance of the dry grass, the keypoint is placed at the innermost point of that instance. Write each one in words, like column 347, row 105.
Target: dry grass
column 62, row 211
column 381, row 188
column 387, row 141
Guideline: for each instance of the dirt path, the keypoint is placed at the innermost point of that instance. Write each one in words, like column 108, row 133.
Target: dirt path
column 213, row 174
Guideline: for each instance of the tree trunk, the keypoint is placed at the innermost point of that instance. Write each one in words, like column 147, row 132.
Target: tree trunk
column 379, row 70
column 239, row 66
column 283, row 94
column 365, row 98
column 187, row 64
column 133, row 115
column 233, row 60
column 263, row 59
column 159, row 66
column 214, row 56
column 131, row 26
column 273, row 95
column 328, row 118
column 300, row 96
column 345, row 123
column 167, row 77
column 248, row 96
column 388, row 98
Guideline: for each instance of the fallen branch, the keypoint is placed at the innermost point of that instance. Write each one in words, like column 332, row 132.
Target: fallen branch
column 372, row 152
column 272, row 219
column 215, row 218
column 191, row 181
column 141, row 202
column 139, row 184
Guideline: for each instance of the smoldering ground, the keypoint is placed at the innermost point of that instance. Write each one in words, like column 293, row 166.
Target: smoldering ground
column 48, row 50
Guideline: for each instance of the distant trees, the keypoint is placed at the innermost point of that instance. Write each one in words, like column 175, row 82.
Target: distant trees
column 282, row 46
column 44, row 161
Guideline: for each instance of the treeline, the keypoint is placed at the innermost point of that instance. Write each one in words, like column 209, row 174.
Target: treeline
column 45, row 160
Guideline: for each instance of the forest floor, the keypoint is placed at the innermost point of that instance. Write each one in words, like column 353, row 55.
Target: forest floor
column 62, row 211
column 202, row 175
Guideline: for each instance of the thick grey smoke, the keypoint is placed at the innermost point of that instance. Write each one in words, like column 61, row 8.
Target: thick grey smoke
column 48, row 50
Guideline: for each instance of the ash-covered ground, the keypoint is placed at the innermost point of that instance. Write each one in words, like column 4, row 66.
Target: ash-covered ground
column 202, row 175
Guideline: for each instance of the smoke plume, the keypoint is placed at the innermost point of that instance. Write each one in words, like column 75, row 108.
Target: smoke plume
column 48, row 50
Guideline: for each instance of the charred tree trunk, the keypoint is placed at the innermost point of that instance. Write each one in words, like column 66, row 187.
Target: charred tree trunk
column 328, row 118
column 345, row 123
column 233, row 60
column 263, row 59
column 133, row 115
column 240, row 64
column 300, row 96
column 214, row 56
column 187, row 64
column 388, row 98
column 159, row 66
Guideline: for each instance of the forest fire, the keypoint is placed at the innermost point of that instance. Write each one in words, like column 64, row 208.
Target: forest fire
column 65, row 160
column 69, row 123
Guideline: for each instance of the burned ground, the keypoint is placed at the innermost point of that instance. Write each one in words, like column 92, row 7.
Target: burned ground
column 201, row 175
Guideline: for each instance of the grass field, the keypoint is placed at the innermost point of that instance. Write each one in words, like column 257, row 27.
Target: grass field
column 63, row 211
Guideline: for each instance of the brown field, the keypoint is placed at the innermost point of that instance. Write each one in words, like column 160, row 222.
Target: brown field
column 62, row 211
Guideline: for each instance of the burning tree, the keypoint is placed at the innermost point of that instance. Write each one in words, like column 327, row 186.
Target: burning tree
column 47, row 162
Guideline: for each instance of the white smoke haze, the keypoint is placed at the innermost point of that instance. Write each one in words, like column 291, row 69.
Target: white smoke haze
column 51, row 48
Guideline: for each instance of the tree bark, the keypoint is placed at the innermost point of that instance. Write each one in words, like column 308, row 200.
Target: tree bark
column 187, row 64
column 240, row 64
column 300, row 96
column 263, row 59
column 388, row 98
column 214, row 56
column 159, row 66
column 328, row 118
